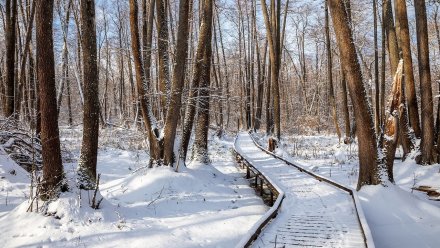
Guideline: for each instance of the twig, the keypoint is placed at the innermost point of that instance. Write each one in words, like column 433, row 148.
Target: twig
column 157, row 198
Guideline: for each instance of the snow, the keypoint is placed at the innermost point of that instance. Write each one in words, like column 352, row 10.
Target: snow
column 397, row 215
column 201, row 206
column 400, row 219
column 211, row 206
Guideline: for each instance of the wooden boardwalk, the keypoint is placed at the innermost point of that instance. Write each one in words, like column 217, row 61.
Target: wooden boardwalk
column 313, row 213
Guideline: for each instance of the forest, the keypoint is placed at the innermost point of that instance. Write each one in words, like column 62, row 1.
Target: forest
column 219, row 123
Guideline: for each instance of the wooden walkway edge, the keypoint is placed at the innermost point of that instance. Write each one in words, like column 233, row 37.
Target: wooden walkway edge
column 256, row 230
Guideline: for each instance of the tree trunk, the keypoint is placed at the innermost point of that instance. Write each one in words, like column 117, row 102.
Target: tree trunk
column 437, row 32
column 200, row 148
column 330, row 73
column 142, row 88
column 178, row 82
column 427, row 142
column 368, row 156
column 376, row 72
column 162, row 48
column 226, row 71
column 65, row 58
column 268, row 103
column 199, row 75
column 10, row 40
column 393, row 48
column 383, row 67
column 89, row 148
column 410, row 89
column 273, row 31
column 50, row 139
column 391, row 132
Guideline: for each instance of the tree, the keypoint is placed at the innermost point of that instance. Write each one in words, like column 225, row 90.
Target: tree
column 89, row 148
column 377, row 120
column 198, row 71
column 260, row 71
column 162, row 47
column 394, row 57
column 273, row 37
column 391, row 124
column 368, row 157
column 329, row 72
column 393, row 47
column 172, row 116
column 143, row 87
column 200, row 148
column 405, row 44
column 427, row 142
column 10, row 39
column 51, row 151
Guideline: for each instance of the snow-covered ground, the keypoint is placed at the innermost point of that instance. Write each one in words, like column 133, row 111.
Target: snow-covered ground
column 397, row 215
column 201, row 206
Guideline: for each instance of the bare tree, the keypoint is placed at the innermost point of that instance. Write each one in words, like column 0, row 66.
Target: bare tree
column 427, row 143
column 405, row 44
column 198, row 76
column 163, row 56
column 273, row 37
column 172, row 116
column 143, row 87
column 52, row 164
column 377, row 119
column 89, row 148
column 10, row 39
column 330, row 72
column 200, row 148
column 368, row 157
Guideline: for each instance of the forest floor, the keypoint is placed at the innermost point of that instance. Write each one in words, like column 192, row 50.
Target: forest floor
column 398, row 216
column 202, row 206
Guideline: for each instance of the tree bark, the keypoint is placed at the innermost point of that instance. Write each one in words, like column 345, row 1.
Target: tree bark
column 142, row 88
column 383, row 67
column 200, row 148
column 330, row 73
column 393, row 48
column 427, row 142
column 405, row 44
column 273, row 31
column 162, row 48
column 10, row 40
column 437, row 32
column 200, row 79
column 51, row 151
column 376, row 72
column 89, row 147
column 65, row 54
column 368, row 156
column 391, row 132
column 178, row 82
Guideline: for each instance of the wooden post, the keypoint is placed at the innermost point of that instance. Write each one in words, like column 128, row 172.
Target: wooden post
column 256, row 180
column 271, row 198
column 272, row 144
column 248, row 173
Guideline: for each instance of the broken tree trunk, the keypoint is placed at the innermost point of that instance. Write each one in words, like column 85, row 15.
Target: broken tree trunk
column 394, row 116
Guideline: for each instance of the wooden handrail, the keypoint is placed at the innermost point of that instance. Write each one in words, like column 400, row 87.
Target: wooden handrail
column 252, row 234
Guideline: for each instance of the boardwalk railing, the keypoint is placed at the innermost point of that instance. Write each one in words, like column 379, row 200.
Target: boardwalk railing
column 256, row 230
column 253, row 233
